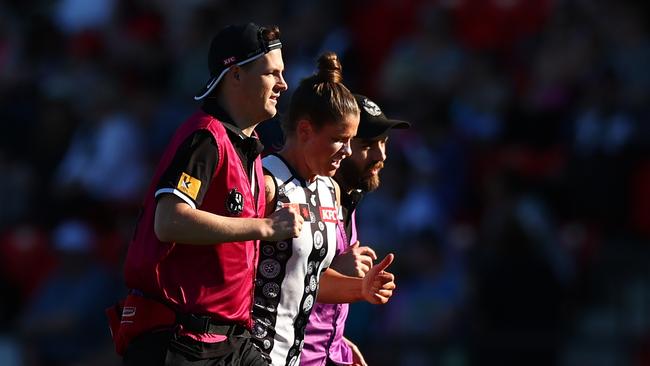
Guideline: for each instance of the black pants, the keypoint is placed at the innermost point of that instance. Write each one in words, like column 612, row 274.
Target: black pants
column 164, row 348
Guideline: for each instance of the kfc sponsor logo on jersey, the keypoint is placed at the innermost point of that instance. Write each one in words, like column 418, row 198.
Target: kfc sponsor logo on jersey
column 328, row 214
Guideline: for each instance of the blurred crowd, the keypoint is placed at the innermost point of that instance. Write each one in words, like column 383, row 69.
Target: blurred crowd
column 518, row 205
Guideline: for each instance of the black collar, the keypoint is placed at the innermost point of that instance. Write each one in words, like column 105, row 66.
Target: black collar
column 352, row 199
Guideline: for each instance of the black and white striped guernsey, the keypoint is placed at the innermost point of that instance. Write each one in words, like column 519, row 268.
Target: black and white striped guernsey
column 289, row 271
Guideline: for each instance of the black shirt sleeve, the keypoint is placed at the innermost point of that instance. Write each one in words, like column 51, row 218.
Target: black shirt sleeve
column 191, row 169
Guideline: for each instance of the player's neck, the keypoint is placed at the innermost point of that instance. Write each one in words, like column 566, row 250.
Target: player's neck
column 296, row 158
column 239, row 115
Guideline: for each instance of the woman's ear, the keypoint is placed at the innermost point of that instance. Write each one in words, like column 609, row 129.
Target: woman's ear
column 304, row 130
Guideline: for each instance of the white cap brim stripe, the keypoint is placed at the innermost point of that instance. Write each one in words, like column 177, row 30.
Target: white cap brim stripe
column 213, row 82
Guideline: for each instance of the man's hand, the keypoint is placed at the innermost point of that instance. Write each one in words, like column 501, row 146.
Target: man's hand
column 357, row 357
column 356, row 261
column 284, row 223
column 378, row 285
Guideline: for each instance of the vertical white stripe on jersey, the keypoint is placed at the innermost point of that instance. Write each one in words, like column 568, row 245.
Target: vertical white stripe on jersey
column 292, row 287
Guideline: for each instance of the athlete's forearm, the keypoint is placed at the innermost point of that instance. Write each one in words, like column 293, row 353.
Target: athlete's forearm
column 336, row 288
column 175, row 221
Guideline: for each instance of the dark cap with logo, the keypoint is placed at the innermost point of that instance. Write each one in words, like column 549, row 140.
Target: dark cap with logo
column 373, row 123
column 235, row 45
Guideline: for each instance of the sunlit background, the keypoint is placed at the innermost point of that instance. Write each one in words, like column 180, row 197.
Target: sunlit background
column 518, row 205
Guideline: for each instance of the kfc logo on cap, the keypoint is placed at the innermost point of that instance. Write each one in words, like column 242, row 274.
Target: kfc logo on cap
column 229, row 60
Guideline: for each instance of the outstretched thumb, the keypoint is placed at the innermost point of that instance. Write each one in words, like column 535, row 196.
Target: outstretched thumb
column 355, row 245
column 384, row 263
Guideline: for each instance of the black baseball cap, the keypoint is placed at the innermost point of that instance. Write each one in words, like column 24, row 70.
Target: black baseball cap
column 235, row 45
column 373, row 123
